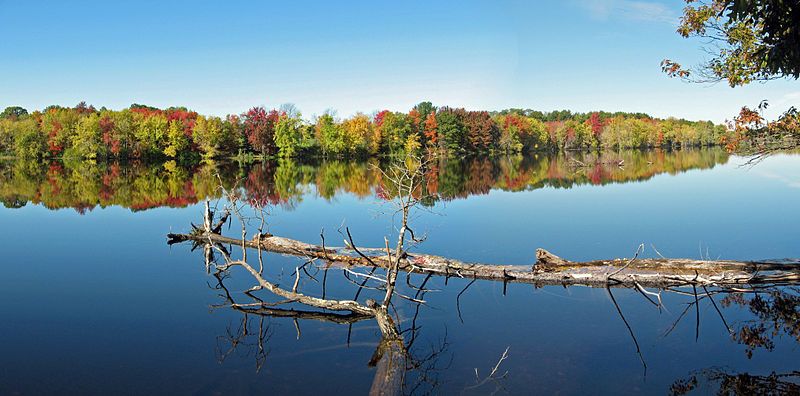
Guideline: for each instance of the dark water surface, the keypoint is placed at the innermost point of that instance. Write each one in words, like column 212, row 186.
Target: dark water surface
column 93, row 301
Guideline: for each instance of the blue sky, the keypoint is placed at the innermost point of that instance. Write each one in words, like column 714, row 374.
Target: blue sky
column 220, row 57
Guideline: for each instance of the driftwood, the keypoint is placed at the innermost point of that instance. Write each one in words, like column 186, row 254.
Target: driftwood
column 548, row 269
column 392, row 358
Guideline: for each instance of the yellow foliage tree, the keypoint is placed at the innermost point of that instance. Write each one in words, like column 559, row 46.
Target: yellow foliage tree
column 358, row 134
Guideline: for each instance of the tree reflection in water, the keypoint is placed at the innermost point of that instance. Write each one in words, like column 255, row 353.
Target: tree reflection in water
column 399, row 367
column 774, row 313
column 763, row 312
column 139, row 186
column 251, row 335
column 723, row 382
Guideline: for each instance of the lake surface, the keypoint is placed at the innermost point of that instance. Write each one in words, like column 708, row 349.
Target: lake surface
column 93, row 301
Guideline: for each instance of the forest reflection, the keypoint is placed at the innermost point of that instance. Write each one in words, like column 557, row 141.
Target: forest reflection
column 139, row 186
column 765, row 316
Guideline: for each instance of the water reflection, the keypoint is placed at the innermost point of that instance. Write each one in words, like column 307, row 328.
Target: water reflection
column 722, row 381
column 400, row 367
column 766, row 315
column 138, row 186
column 138, row 315
column 775, row 313
column 772, row 311
column 754, row 316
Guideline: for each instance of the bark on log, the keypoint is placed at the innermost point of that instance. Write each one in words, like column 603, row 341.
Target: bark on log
column 548, row 270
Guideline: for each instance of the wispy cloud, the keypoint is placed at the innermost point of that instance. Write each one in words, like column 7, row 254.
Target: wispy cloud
column 792, row 95
column 781, row 178
column 779, row 105
column 791, row 98
column 641, row 11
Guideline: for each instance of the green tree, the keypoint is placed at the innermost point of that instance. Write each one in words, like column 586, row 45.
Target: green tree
column 7, row 128
column 308, row 143
column 119, row 137
column 208, row 134
column 86, row 142
column 394, row 131
column 538, row 138
column 288, row 135
column 59, row 125
column 451, row 129
column 330, row 135
column 583, row 135
column 14, row 113
column 29, row 141
column 150, row 133
column 235, row 138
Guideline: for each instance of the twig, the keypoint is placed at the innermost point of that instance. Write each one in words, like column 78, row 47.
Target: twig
column 492, row 375
column 639, row 249
column 657, row 252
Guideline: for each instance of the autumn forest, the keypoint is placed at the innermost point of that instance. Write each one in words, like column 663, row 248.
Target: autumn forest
column 144, row 132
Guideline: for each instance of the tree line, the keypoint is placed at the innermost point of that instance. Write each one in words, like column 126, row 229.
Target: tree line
column 145, row 132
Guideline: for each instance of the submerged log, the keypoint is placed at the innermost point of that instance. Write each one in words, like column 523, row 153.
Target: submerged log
column 389, row 360
column 548, row 269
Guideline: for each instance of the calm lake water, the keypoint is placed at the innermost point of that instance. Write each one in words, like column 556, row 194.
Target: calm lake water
column 93, row 301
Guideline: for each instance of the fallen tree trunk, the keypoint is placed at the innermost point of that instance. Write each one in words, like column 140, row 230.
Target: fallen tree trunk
column 549, row 269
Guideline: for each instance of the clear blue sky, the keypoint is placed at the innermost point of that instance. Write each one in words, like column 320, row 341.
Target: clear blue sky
column 220, row 57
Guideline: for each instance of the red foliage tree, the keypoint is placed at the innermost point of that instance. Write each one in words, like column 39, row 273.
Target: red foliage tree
column 259, row 127
column 53, row 144
column 379, row 117
column 518, row 122
column 482, row 132
column 107, row 131
column 552, row 127
column 186, row 117
column 82, row 108
column 596, row 124
column 416, row 118
column 430, row 128
column 146, row 110
column 513, row 120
